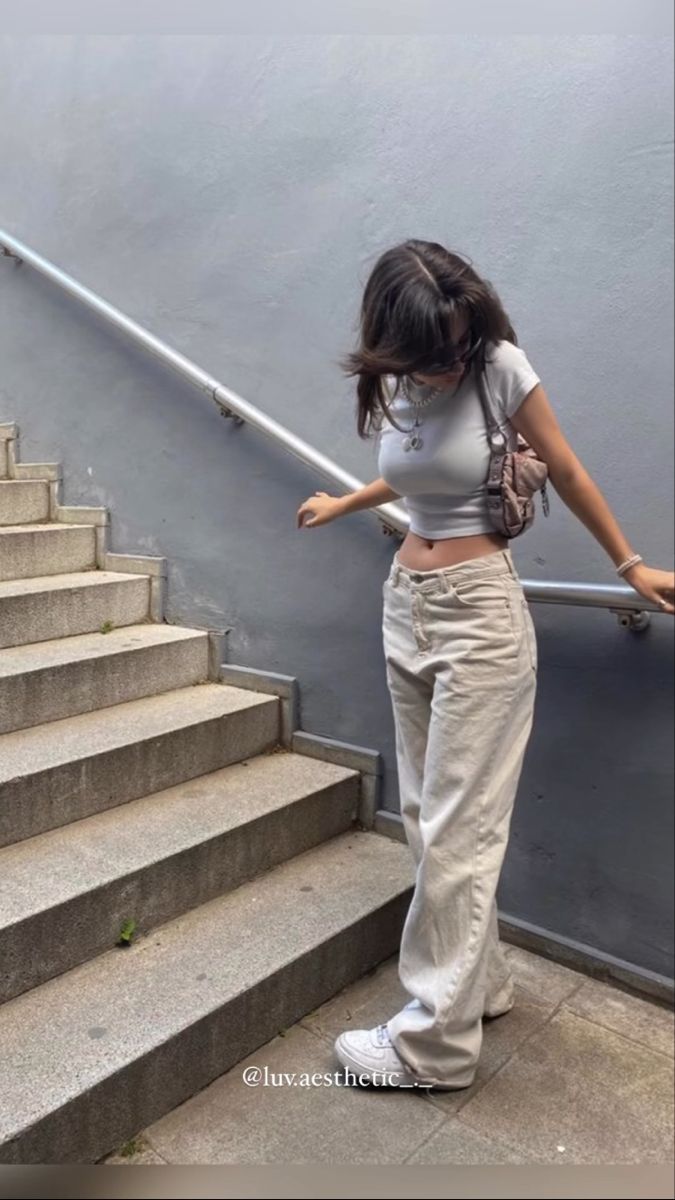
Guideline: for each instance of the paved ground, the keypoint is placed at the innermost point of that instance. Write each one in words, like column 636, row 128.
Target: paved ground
column 577, row 1072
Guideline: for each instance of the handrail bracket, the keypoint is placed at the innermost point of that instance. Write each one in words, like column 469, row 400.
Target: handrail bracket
column 635, row 619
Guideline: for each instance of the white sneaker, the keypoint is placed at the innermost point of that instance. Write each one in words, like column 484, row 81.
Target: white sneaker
column 501, row 1002
column 491, row 1014
column 370, row 1055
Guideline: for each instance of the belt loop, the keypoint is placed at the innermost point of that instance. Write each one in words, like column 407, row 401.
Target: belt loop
column 510, row 563
column 395, row 572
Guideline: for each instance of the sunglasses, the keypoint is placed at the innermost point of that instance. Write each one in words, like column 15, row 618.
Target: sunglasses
column 441, row 366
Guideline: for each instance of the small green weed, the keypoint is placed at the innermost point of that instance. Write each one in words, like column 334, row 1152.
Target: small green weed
column 126, row 932
column 130, row 1148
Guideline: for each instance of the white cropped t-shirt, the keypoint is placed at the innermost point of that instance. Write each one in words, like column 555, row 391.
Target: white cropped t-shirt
column 443, row 484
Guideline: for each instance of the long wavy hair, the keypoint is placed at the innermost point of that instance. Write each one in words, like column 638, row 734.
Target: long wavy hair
column 412, row 294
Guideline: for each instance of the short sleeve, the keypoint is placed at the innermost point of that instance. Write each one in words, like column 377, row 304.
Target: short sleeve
column 377, row 441
column 512, row 376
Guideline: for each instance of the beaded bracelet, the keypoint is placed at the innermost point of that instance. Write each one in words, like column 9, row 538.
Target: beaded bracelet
column 630, row 562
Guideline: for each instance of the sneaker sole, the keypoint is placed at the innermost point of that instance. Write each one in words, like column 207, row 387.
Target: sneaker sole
column 492, row 1016
column 365, row 1074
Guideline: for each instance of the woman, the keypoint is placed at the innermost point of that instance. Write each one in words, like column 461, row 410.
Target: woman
column 459, row 642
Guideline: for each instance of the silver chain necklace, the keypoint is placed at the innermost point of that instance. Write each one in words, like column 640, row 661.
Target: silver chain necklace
column 412, row 440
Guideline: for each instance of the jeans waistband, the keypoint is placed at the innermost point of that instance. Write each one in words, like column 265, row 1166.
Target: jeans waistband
column 497, row 562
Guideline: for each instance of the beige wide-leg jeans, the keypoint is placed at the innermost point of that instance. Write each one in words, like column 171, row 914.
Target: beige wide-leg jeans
column 461, row 664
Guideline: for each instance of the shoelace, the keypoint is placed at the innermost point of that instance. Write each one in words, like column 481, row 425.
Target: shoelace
column 382, row 1035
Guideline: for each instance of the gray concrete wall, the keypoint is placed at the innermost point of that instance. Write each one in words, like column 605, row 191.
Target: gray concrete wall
column 232, row 194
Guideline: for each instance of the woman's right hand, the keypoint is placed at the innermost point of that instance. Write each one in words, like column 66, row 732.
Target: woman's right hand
column 319, row 509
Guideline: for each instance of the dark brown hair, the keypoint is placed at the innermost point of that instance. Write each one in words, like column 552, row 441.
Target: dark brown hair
column 413, row 292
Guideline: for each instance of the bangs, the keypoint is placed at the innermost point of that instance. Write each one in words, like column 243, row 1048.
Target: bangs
column 424, row 339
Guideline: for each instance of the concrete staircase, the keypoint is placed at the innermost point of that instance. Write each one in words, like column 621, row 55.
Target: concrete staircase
column 139, row 785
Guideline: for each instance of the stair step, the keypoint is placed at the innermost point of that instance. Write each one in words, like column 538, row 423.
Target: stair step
column 51, row 680
column 55, row 606
column 69, row 769
column 23, row 501
column 65, row 895
column 32, row 550
column 96, row 1055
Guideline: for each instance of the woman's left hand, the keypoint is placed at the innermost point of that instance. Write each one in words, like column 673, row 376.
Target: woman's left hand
column 653, row 584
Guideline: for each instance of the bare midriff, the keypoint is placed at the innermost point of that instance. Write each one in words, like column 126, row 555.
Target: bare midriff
column 424, row 554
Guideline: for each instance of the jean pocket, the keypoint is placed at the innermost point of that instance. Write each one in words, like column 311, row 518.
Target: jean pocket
column 486, row 594
column 530, row 634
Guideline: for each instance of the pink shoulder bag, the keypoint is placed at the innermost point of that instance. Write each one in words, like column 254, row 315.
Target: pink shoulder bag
column 515, row 473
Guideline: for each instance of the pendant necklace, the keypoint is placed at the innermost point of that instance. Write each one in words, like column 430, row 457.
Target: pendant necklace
column 412, row 440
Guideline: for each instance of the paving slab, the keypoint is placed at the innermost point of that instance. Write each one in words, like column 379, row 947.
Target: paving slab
column 576, row 1092
column 553, row 1087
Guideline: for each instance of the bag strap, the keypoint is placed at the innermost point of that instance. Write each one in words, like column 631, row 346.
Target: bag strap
column 499, row 440
column 498, row 436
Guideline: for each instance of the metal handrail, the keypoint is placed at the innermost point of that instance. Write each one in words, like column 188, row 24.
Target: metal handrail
column 630, row 607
